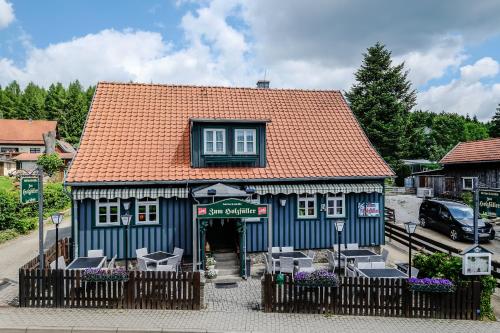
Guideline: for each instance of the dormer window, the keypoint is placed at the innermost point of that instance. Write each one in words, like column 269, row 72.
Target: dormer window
column 245, row 141
column 214, row 141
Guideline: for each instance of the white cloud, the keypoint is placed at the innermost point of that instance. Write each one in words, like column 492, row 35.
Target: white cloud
column 483, row 68
column 6, row 14
column 467, row 94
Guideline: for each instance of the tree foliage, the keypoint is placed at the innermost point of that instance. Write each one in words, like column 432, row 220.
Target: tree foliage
column 69, row 106
column 495, row 124
column 50, row 163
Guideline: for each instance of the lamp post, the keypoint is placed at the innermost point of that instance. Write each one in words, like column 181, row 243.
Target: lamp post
column 57, row 219
column 339, row 226
column 126, row 221
column 410, row 229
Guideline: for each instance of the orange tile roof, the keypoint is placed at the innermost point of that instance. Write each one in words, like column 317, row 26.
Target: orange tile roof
column 140, row 132
column 14, row 131
column 474, row 151
column 34, row 156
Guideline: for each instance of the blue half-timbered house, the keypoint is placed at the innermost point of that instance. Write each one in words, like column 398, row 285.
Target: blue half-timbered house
column 159, row 150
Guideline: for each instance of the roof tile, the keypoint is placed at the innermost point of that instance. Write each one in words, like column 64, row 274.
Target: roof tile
column 474, row 151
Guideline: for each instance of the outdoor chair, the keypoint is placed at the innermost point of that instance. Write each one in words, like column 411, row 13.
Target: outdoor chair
column 305, row 265
column 376, row 259
column 95, row 253
column 385, row 255
column 179, row 252
column 274, row 263
column 141, row 252
column 60, row 262
column 414, row 272
column 352, row 246
column 169, row 267
column 142, row 265
column 286, row 265
column 111, row 264
column 360, row 259
column 364, row 265
column 287, row 249
column 311, row 254
column 378, row 264
column 267, row 269
column 350, row 273
column 174, row 262
column 275, row 249
column 333, row 260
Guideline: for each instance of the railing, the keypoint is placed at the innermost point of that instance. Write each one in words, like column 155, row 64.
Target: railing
column 143, row 290
column 50, row 254
column 370, row 297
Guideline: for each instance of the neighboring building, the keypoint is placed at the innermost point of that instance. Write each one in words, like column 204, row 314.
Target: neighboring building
column 161, row 149
column 465, row 161
column 21, row 142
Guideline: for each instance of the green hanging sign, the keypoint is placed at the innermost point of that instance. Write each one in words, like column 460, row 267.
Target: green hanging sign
column 232, row 208
column 29, row 190
column 489, row 202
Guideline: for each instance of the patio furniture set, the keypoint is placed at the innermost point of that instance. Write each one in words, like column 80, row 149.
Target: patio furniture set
column 287, row 260
column 155, row 261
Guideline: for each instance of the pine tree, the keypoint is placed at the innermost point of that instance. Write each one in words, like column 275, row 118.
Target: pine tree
column 55, row 101
column 74, row 113
column 495, row 124
column 32, row 102
column 9, row 101
column 381, row 99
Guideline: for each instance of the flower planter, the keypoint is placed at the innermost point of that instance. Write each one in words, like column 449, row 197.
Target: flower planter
column 316, row 279
column 210, row 268
column 430, row 285
column 101, row 275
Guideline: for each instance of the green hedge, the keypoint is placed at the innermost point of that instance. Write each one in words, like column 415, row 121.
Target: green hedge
column 23, row 218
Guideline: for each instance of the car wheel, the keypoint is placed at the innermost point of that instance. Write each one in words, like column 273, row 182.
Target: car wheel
column 423, row 222
column 454, row 235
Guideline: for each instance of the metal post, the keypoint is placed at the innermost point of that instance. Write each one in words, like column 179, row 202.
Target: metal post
column 40, row 218
column 409, row 255
column 270, row 227
column 195, row 239
column 126, row 247
column 57, row 246
column 475, row 188
column 338, row 237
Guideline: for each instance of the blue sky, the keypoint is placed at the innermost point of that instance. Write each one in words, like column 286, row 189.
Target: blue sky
column 450, row 47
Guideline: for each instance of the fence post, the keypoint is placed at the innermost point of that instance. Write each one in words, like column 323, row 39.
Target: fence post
column 476, row 300
column 197, row 288
column 130, row 286
column 407, row 298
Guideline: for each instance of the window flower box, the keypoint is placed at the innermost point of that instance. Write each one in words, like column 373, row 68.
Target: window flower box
column 104, row 275
column 431, row 285
column 319, row 278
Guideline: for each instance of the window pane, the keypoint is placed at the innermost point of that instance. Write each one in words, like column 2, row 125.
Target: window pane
column 303, row 195
column 249, row 147
column 339, row 202
column 219, row 135
column 220, row 147
column 103, row 200
column 210, row 147
column 113, row 218
column 339, row 211
column 302, row 204
column 249, row 135
column 310, row 211
column 329, row 203
column 102, row 218
column 239, row 135
column 240, row 147
column 152, row 217
column 302, row 212
column 330, row 211
column 113, row 210
column 209, row 136
column 142, row 209
column 310, row 204
column 142, row 217
column 113, row 200
column 102, row 210
column 152, row 209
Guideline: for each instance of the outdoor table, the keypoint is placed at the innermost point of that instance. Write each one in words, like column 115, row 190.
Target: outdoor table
column 159, row 257
column 382, row 273
column 87, row 262
column 296, row 255
column 403, row 267
column 358, row 253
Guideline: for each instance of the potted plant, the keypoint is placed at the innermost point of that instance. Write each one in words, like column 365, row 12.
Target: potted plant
column 319, row 278
column 211, row 274
column 432, row 285
column 210, row 263
column 101, row 275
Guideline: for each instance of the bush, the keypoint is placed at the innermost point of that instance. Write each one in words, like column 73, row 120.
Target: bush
column 54, row 197
column 50, row 163
column 9, row 204
column 468, row 199
column 6, row 235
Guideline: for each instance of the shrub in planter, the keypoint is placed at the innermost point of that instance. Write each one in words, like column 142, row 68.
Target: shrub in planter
column 319, row 278
column 210, row 262
column 433, row 285
column 211, row 274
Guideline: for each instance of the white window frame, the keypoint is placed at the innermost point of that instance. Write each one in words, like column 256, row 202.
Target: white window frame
column 148, row 204
column 254, row 146
column 108, row 206
column 35, row 150
column 255, row 201
column 335, row 197
column 463, row 183
column 307, row 199
column 214, row 130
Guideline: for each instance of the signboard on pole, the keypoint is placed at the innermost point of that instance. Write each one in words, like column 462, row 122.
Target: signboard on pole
column 231, row 208
column 476, row 261
column 368, row 209
column 29, row 190
column 489, row 202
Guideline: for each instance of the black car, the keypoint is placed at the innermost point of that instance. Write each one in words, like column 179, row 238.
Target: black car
column 454, row 219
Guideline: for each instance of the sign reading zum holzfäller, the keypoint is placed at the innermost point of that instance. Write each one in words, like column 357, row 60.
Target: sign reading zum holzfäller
column 29, row 190
column 231, row 208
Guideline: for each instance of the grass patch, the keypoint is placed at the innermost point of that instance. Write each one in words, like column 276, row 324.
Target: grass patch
column 6, row 183
column 6, row 235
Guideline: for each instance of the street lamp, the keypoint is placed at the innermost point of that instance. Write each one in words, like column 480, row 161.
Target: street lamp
column 339, row 226
column 57, row 219
column 126, row 221
column 410, row 229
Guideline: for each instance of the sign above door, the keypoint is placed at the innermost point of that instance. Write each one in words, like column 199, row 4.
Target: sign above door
column 232, row 208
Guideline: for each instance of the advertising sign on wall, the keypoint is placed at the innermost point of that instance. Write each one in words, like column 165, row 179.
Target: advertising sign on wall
column 232, row 208
column 368, row 209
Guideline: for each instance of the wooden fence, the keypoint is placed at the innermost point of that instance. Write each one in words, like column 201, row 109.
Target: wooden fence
column 370, row 297
column 50, row 254
column 143, row 290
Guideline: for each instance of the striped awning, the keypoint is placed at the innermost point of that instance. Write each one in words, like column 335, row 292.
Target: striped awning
column 125, row 193
column 318, row 188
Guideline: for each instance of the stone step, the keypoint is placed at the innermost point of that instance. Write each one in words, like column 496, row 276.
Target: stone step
column 226, row 264
column 225, row 256
column 227, row 279
column 227, row 271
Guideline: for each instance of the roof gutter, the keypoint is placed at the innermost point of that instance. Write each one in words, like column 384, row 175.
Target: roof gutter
column 210, row 181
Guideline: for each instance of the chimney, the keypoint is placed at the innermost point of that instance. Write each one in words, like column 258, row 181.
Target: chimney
column 263, row 84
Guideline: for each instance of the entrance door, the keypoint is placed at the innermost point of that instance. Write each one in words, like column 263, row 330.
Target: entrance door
column 222, row 235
